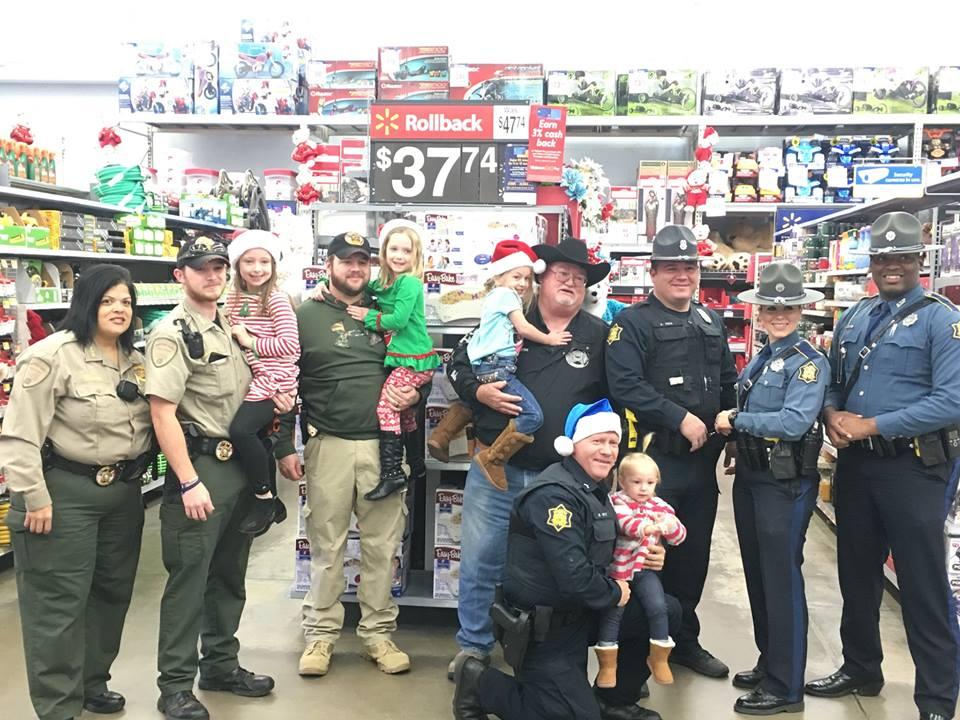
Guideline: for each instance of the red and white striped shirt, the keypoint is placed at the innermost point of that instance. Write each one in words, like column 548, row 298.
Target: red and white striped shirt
column 632, row 518
column 276, row 349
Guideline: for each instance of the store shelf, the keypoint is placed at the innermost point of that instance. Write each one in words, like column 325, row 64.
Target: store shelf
column 348, row 122
column 817, row 286
column 759, row 208
column 150, row 302
column 18, row 251
column 413, row 207
column 630, row 289
column 826, row 511
column 615, row 251
column 840, row 303
column 450, row 466
column 819, row 313
column 419, row 593
column 847, row 273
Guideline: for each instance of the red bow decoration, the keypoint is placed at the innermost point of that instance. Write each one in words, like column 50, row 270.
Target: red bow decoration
column 21, row 133
column 308, row 194
column 606, row 211
column 593, row 255
column 108, row 136
column 304, row 153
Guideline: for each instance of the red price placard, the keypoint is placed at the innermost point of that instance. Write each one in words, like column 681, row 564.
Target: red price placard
column 548, row 131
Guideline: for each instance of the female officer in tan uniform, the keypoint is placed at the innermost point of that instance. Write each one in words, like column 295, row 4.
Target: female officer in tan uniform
column 76, row 439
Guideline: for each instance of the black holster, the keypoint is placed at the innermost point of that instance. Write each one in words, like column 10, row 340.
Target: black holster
column 951, row 441
column 783, row 460
column 753, row 451
column 809, row 450
column 513, row 629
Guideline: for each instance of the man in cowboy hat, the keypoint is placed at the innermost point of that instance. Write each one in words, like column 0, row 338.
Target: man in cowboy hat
column 670, row 371
column 778, row 440
column 892, row 411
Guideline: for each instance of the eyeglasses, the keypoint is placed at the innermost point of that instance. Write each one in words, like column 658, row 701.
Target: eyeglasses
column 565, row 276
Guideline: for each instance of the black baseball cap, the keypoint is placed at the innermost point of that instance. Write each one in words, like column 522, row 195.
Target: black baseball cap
column 200, row 250
column 349, row 243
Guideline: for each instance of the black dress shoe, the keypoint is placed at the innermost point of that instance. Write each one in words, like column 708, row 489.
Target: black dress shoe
column 260, row 516
column 700, row 661
column 182, row 705
column 466, row 697
column 748, row 679
column 106, row 703
column 840, row 684
column 239, row 682
column 933, row 716
column 625, row 712
column 644, row 691
column 760, row 702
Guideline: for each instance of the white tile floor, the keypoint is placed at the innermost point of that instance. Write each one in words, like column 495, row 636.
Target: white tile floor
column 271, row 643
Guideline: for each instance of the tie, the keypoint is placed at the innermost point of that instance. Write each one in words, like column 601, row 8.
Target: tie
column 877, row 316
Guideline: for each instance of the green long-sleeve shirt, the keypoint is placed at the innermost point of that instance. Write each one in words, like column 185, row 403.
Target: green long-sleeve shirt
column 402, row 315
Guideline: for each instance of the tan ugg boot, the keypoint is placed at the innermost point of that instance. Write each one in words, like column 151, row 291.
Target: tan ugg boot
column 455, row 419
column 607, row 657
column 657, row 660
column 492, row 459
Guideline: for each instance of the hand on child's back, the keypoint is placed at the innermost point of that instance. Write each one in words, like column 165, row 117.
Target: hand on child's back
column 559, row 337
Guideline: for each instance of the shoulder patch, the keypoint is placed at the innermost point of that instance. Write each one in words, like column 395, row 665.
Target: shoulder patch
column 937, row 297
column 559, row 517
column 956, row 330
column 162, row 351
column 614, row 334
column 807, row 350
column 36, row 371
column 809, row 372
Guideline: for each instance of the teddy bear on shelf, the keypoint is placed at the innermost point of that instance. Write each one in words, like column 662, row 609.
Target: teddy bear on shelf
column 705, row 246
column 696, row 186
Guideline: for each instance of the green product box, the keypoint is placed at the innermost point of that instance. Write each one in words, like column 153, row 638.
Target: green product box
column 584, row 92
column 658, row 92
column 890, row 90
column 11, row 235
column 947, row 90
column 48, row 295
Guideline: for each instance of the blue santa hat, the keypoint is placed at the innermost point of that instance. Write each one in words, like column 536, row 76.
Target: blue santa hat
column 585, row 420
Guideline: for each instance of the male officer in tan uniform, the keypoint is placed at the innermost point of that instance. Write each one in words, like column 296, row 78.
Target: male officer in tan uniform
column 196, row 380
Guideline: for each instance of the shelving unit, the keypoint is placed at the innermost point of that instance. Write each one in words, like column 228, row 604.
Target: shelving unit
column 17, row 251
column 149, row 302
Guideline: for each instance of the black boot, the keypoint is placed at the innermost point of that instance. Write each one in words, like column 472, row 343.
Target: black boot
column 414, row 451
column 259, row 517
column 391, row 474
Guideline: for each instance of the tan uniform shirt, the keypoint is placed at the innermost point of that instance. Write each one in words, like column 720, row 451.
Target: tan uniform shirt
column 67, row 393
column 208, row 391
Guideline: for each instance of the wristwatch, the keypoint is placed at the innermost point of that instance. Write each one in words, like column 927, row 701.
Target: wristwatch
column 732, row 418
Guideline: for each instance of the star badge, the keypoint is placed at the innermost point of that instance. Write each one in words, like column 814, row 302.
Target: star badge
column 614, row 333
column 777, row 365
column 559, row 518
column 956, row 330
column 809, row 373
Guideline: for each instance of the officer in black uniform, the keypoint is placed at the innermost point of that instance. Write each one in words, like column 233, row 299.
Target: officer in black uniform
column 562, row 535
column 893, row 411
column 670, row 371
column 778, row 441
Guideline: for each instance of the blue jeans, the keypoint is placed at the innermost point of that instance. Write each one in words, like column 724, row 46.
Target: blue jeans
column 646, row 588
column 494, row 368
column 483, row 552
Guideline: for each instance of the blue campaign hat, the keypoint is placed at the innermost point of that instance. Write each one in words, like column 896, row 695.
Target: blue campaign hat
column 585, row 420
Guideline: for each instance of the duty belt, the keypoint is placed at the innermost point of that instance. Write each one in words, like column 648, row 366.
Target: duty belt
column 883, row 447
column 933, row 448
column 102, row 475
column 220, row 448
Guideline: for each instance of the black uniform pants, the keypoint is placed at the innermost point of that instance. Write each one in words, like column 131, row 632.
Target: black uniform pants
column 552, row 682
column 772, row 518
column 689, row 484
column 897, row 505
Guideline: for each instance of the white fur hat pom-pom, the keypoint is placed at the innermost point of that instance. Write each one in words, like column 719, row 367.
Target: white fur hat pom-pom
column 564, row 446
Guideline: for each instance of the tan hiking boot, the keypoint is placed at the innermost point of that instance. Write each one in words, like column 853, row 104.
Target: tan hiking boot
column 492, row 459
column 389, row 658
column 657, row 661
column 454, row 420
column 607, row 657
column 315, row 660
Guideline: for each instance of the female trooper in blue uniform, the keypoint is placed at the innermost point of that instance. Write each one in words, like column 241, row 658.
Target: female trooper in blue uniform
column 561, row 540
column 780, row 394
column 892, row 410
column 76, row 440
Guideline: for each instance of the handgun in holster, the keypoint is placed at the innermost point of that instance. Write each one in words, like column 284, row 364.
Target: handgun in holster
column 512, row 628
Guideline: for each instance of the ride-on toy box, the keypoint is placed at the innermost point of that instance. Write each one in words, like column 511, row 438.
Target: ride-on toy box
column 816, row 90
column 946, row 84
column 657, row 92
column 256, row 60
column 413, row 91
column 156, row 78
column 746, row 92
column 206, row 78
column 259, row 96
column 584, row 92
column 342, row 74
column 491, row 82
column 424, row 63
column 339, row 101
column 890, row 90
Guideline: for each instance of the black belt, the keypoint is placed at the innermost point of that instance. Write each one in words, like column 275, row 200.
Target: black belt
column 883, row 447
column 102, row 475
column 220, row 448
column 562, row 618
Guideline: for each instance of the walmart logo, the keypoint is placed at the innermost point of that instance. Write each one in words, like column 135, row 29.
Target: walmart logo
column 387, row 121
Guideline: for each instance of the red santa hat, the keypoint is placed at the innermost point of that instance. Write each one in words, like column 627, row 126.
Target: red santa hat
column 511, row 254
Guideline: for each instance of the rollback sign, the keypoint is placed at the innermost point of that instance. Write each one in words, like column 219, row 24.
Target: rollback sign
column 441, row 152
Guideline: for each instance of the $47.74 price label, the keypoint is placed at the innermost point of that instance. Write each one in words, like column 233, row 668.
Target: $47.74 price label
column 426, row 172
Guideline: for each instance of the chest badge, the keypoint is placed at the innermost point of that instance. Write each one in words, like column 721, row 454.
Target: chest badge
column 910, row 319
column 777, row 365
column 705, row 315
column 559, row 518
column 614, row 334
column 577, row 359
column 809, row 372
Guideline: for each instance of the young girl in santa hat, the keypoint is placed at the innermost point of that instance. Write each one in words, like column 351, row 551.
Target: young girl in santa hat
column 263, row 322
column 493, row 350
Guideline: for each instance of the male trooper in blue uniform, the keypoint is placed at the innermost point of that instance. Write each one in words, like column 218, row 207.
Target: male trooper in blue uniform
column 561, row 540
column 780, row 395
column 892, row 410
column 670, row 371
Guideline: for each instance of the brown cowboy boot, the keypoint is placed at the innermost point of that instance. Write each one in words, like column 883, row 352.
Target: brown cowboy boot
column 607, row 657
column 492, row 459
column 457, row 417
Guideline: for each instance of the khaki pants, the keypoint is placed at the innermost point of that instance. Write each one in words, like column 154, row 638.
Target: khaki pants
column 338, row 473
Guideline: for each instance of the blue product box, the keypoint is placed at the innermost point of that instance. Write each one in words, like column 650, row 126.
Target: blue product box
column 267, row 61
column 159, row 95
column 145, row 59
column 259, row 96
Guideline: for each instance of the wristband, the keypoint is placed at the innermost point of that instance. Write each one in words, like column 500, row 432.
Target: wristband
column 187, row 487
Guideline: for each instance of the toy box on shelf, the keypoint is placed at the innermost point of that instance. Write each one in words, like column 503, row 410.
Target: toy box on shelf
column 492, row 82
column 816, row 90
column 412, row 91
column 658, row 92
column 584, row 92
column 939, row 146
column 747, row 92
column 652, row 208
column 257, row 78
column 340, row 86
column 890, row 90
column 448, row 516
column 623, row 227
column 423, row 63
column 206, row 77
column 945, row 97
column 446, row 572
column 156, row 78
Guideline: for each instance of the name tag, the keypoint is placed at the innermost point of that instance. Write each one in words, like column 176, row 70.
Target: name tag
column 676, row 380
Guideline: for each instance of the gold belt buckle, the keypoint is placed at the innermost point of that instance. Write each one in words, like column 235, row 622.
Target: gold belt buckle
column 311, row 430
column 224, row 450
column 106, row 475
